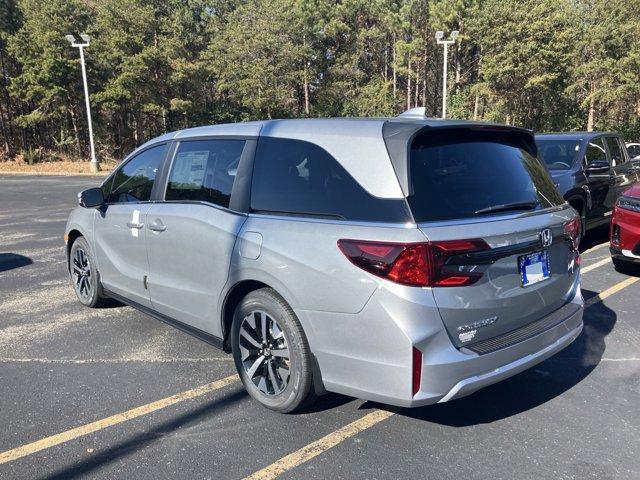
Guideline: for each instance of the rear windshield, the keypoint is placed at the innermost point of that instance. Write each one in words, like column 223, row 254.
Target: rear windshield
column 465, row 173
column 557, row 154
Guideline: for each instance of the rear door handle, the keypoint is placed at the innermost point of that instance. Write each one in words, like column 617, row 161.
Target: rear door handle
column 135, row 225
column 154, row 227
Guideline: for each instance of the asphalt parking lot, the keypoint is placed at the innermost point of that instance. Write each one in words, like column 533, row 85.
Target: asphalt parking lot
column 113, row 393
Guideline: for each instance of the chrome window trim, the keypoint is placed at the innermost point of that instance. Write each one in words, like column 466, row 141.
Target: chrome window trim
column 200, row 202
column 332, row 221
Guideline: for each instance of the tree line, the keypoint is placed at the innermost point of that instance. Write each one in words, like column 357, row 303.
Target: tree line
column 161, row 65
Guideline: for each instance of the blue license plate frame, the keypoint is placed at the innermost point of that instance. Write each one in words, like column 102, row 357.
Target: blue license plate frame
column 534, row 268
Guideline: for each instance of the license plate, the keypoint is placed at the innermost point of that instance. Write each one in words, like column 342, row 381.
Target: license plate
column 534, row 267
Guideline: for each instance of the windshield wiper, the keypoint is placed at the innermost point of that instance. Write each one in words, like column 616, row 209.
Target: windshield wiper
column 508, row 206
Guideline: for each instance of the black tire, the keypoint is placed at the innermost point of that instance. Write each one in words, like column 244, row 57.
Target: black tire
column 283, row 384
column 627, row 268
column 84, row 275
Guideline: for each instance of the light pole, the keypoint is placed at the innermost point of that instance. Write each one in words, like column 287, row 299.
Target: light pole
column 93, row 166
column 441, row 41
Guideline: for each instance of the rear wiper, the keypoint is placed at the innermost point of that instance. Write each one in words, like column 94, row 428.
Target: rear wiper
column 507, row 206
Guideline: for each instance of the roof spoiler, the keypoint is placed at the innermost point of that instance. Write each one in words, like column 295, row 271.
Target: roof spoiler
column 417, row 112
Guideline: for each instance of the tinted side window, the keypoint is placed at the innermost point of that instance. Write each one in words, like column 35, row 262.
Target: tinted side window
column 557, row 154
column 294, row 177
column 595, row 151
column 134, row 181
column 204, row 170
column 614, row 149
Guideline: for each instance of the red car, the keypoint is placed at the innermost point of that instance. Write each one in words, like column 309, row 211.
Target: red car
column 625, row 230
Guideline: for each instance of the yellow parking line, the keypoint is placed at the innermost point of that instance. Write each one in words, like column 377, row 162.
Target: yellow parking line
column 74, row 433
column 314, row 449
column 593, row 266
column 610, row 291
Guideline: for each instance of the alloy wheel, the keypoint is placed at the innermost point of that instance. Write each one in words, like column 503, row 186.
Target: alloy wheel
column 81, row 271
column 264, row 352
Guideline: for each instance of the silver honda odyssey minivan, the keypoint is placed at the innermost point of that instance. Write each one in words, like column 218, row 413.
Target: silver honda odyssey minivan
column 403, row 260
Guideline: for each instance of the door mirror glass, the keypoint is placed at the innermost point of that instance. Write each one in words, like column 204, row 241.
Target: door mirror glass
column 91, row 198
column 597, row 166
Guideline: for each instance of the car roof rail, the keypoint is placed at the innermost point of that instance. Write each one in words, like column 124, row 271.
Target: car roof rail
column 417, row 112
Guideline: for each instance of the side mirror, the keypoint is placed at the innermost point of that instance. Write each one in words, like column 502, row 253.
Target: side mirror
column 91, row 198
column 597, row 166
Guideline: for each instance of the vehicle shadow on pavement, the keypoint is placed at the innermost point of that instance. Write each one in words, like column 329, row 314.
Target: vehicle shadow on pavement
column 532, row 387
column 328, row 401
column 144, row 438
column 595, row 237
column 9, row 261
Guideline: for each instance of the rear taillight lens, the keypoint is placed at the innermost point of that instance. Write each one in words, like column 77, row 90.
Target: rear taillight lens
column 572, row 230
column 415, row 264
column 416, row 371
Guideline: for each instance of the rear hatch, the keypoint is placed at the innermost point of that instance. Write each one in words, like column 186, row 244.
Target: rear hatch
column 486, row 185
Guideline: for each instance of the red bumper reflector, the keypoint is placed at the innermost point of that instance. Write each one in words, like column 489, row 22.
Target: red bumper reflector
column 416, row 371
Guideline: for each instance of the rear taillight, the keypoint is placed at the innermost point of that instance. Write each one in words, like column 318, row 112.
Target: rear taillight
column 572, row 230
column 415, row 264
column 416, row 371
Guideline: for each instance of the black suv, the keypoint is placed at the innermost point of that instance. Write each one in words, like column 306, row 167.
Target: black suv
column 590, row 169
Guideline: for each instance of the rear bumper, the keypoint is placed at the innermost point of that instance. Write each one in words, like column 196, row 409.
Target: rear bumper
column 466, row 372
column 623, row 254
column 369, row 355
column 469, row 385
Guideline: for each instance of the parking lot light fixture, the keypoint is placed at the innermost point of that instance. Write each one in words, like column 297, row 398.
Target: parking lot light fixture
column 94, row 167
column 441, row 41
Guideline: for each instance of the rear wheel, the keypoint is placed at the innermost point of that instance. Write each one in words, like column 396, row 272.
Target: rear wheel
column 84, row 274
column 271, row 352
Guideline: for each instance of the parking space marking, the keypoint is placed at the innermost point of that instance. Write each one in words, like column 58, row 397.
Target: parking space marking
column 593, row 266
column 77, row 432
column 80, row 361
column 610, row 291
column 314, row 449
column 630, row 359
column 282, row 465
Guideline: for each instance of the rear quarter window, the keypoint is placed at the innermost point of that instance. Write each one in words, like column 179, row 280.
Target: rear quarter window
column 458, row 173
column 294, row 177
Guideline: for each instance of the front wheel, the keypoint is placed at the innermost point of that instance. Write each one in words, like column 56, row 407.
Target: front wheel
column 84, row 274
column 271, row 352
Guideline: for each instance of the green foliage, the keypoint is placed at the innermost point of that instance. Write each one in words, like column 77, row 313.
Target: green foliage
column 161, row 65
